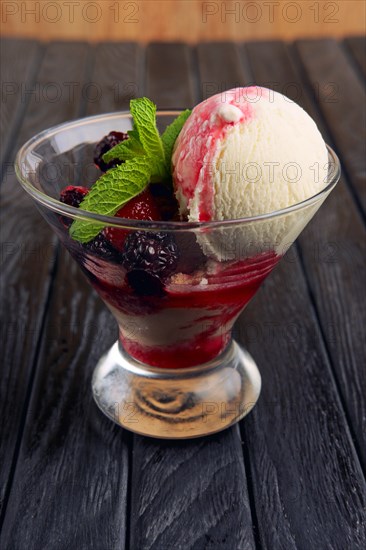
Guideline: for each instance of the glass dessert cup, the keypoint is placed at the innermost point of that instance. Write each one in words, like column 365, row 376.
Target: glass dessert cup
column 175, row 371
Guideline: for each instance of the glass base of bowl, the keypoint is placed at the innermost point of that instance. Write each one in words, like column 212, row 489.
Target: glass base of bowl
column 176, row 403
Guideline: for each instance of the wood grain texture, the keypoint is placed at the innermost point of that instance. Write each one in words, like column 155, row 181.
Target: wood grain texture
column 72, row 472
column 71, row 487
column 299, row 419
column 308, row 487
column 116, row 77
column 333, row 251
column 70, row 484
column 340, row 96
column 28, row 253
column 19, row 61
column 357, row 47
column 188, row 494
column 219, row 68
column 169, row 75
column 188, row 20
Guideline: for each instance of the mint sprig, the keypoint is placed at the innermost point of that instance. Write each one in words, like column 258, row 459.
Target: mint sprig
column 110, row 193
column 147, row 158
column 126, row 150
column 143, row 112
column 144, row 139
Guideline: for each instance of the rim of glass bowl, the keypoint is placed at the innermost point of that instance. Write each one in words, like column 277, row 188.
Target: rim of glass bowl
column 77, row 213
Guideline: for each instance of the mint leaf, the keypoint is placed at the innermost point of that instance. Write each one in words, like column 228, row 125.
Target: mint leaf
column 134, row 134
column 132, row 147
column 110, row 193
column 171, row 133
column 125, row 150
column 147, row 158
column 144, row 116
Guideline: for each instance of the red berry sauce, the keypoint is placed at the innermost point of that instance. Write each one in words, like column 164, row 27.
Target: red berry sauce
column 189, row 323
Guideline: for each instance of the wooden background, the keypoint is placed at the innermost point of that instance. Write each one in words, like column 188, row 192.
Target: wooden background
column 291, row 476
column 188, row 20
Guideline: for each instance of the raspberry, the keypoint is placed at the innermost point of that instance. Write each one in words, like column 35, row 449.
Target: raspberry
column 109, row 141
column 156, row 253
column 72, row 195
column 142, row 207
column 103, row 248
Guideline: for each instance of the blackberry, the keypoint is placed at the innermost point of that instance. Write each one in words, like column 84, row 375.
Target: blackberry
column 72, row 195
column 103, row 248
column 156, row 253
column 107, row 143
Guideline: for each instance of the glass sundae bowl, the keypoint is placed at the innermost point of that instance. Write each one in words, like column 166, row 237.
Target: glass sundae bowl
column 175, row 371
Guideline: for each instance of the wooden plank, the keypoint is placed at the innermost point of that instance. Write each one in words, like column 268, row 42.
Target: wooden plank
column 169, row 78
column 308, row 487
column 73, row 466
column 188, row 494
column 357, row 46
column 28, row 255
column 188, row 20
column 116, row 77
column 72, row 472
column 340, row 95
column 220, row 67
column 336, row 268
column 333, row 250
column 19, row 61
column 299, row 441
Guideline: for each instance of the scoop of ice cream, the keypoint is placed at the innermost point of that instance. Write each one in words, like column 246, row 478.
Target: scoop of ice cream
column 244, row 152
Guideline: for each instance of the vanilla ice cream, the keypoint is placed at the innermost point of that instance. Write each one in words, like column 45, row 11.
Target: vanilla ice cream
column 246, row 152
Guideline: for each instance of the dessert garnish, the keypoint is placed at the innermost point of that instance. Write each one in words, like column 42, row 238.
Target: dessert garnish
column 142, row 207
column 101, row 245
column 107, row 143
column 73, row 196
column 155, row 252
column 145, row 158
column 149, row 259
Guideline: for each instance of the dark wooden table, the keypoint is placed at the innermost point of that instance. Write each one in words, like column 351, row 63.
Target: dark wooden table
column 291, row 475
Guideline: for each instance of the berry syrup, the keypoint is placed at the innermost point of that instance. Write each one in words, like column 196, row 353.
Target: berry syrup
column 188, row 320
